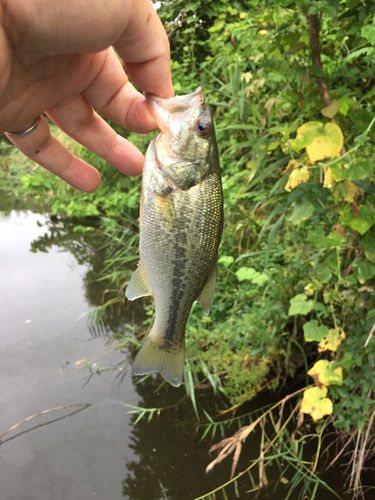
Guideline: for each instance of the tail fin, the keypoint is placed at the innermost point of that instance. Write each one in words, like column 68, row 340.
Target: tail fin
column 158, row 356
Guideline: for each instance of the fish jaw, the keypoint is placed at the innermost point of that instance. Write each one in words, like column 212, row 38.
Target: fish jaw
column 165, row 110
column 176, row 144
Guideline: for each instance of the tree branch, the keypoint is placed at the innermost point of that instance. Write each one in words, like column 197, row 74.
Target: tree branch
column 314, row 27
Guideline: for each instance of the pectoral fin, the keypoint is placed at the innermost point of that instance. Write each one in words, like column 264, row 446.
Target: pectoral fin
column 206, row 297
column 138, row 285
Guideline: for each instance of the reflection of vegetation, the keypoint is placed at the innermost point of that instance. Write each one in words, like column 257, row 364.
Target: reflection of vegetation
column 168, row 450
column 86, row 241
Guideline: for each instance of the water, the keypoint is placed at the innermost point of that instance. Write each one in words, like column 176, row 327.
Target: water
column 77, row 452
column 86, row 446
column 81, row 456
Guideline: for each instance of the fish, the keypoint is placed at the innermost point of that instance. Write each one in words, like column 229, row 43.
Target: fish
column 181, row 223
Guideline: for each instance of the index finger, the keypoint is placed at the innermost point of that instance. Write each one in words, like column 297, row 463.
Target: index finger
column 144, row 48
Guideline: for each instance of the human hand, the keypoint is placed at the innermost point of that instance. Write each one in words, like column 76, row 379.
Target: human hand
column 57, row 58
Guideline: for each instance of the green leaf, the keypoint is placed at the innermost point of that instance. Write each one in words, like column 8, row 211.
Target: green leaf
column 364, row 51
column 300, row 305
column 260, row 278
column 302, row 212
column 245, row 273
column 344, row 104
column 26, row 181
column 360, row 169
column 364, row 270
column 365, row 186
column 313, row 332
column 368, row 245
column 322, row 272
column 219, row 24
column 362, row 222
column 250, row 274
column 226, row 260
column 82, row 229
column 317, row 239
column 368, row 32
column 295, row 47
column 334, row 240
column 190, row 391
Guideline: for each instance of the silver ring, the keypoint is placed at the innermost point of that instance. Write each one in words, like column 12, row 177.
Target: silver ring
column 28, row 131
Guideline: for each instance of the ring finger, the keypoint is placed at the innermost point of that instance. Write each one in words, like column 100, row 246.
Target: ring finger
column 47, row 151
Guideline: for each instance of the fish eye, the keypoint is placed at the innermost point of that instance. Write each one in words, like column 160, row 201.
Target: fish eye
column 203, row 126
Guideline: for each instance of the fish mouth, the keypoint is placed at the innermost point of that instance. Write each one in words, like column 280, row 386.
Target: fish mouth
column 179, row 110
column 164, row 110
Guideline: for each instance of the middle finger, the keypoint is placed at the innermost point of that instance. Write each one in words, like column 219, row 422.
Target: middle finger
column 78, row 119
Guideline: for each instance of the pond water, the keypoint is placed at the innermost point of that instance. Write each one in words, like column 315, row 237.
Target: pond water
column 75, row 439
column 91, row 450
column 42, row 346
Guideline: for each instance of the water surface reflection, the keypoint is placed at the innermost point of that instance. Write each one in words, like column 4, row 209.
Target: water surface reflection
column 41, row 297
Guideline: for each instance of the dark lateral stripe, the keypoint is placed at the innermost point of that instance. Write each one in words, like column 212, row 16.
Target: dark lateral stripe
column 179, row 274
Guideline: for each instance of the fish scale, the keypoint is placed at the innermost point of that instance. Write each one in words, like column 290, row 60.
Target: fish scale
column 180, row 229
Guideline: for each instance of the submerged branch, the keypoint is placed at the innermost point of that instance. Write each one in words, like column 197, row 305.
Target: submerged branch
column 82, row 406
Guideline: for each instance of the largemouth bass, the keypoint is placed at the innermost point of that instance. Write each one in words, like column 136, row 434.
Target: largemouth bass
column 181, row 221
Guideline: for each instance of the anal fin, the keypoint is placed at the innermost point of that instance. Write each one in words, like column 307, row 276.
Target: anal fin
column 207, row 295
column 138, row 285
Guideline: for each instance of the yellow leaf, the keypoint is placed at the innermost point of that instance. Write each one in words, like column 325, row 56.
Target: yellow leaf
column 321, row 148
column 315, row 403
column 332, row 340
column 326, row 373
column 242, row 15
column 329, row 180
column 298, row 176
column 321, row 141
column 352, row 190
column 262, row 32
column 330, row 110
column 292, row 164
column 312, row 287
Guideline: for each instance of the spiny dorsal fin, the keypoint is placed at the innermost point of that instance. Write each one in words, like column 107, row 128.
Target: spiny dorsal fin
column 138, row 285
column 207, row 295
